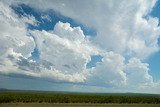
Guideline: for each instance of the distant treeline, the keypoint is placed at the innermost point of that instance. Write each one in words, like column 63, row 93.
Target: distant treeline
column 55, row 97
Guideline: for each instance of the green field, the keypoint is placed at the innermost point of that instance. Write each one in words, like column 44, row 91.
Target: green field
column 82, row 98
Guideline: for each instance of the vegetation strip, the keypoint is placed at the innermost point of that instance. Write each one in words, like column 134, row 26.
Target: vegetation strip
column 76, row 98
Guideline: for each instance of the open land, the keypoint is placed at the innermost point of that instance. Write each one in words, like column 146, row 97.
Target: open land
column 13, row 98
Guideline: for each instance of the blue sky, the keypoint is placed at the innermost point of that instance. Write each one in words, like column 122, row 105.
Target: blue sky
column 77, row 46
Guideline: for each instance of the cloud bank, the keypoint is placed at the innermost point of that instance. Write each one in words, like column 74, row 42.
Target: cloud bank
column 126, row 36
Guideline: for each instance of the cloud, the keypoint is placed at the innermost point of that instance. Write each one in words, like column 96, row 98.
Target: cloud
column 66, row 48
column 138, row 73
column 114, row 72
column 14, row 33
column 73, row 34
column 109, row 72
column 64, row 52
column 14, row 41
column 127, row 26
column 123, row 31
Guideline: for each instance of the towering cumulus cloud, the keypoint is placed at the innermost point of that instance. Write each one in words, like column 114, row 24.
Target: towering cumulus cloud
column 126, row 36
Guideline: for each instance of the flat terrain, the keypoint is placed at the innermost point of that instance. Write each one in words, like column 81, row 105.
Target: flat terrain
column 75, row 105
column 17, row 98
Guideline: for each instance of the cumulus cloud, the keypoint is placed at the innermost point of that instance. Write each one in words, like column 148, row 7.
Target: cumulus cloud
column 138, row 73
column 14, row 33
column 113, row 71
column 125, row 23
column 73, row 34
column 123, row 31
column 64, row 52
column 109, row 72
column 61, row 48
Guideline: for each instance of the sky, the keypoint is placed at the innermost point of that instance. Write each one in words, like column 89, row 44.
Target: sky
column 80, row 45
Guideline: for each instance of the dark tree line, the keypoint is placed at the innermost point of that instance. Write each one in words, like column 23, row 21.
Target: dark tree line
column 29, row 97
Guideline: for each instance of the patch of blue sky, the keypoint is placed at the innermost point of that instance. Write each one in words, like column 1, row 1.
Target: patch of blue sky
column 35, row 54
column 156, row 10
column 44, row 24
column 154, row 66
column 94, row 60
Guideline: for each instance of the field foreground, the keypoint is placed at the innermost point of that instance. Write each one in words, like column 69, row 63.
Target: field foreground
column 13, row 98
column 74, row 105
column 65, row 97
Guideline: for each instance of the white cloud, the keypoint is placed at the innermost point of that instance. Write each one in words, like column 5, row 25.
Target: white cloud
column 114, row 72
column 64, row 51
column 65, row 31
column 121, row 26
column 13, row 33
column 14, row 41
column 7, row 61
column 109, row 72
column 122, row 33
column 138, row 73
column 63, row 57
